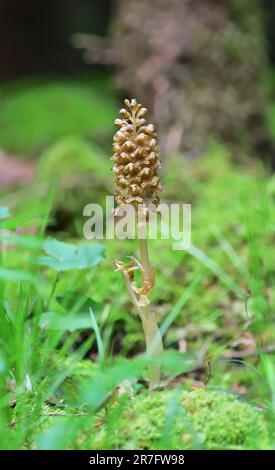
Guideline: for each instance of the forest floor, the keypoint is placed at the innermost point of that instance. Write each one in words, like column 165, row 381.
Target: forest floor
column 72, row 362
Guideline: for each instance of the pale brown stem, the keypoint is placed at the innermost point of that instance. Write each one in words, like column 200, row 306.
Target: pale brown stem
column 152, row 334
column 133, row 297
column 153, row 339
column 144, row 258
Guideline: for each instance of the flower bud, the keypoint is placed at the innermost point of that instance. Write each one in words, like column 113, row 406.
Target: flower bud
column 136, row 157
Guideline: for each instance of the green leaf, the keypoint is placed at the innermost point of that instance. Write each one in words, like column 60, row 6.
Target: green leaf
column 65, row 256
column 71, row 322
column 62, row 432
column 21, row 241
column 4, row 212
column 12, row 275
column 99, row 341
column 3, row 364
column 78, row 301
column 217, row 270
column 96, row 389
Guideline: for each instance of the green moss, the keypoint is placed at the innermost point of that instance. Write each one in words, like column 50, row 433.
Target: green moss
column 197, row 419
column 37, row 114
column 83, row 176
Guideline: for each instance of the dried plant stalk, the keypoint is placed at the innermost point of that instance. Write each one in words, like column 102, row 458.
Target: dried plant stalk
column 136, row 168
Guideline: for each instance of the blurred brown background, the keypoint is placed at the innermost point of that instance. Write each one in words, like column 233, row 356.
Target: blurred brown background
column 200, row 66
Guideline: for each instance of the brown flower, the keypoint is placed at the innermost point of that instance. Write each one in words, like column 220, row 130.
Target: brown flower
column 136, row 158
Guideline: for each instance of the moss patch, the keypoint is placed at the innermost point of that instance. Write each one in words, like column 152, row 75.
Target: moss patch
column 36, row 114
column 184, row 420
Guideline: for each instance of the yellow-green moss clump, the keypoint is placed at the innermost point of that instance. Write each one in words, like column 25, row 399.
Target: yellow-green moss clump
column 199, row 419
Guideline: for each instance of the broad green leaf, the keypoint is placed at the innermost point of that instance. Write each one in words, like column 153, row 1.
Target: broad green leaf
column 65, row 256
column 58, row 249
column 4, row 212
